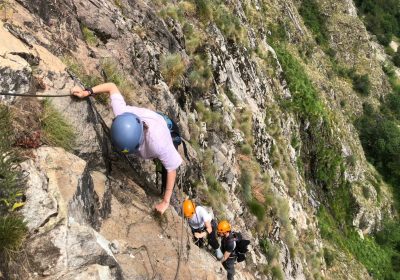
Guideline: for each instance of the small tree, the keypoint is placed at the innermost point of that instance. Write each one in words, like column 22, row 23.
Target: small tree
column 362, row 84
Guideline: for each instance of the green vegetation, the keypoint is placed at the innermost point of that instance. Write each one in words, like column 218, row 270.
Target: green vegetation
column 193, row 38
column 329, row 257
column 172, row 68
column 215, row 194
column 213, row 119
column 315, row 21
column 204, row 10
column 306, row 104
column 11, row 188
column 78, row 69
column 200, row 75
column 114, row 74
column 305, row 97
column 361, row 83
column 229, row 23
column 89, row 36
column 12, row 233
column 381, row 17
column 326, row 170
column 396, row 57
column 256, row 209
column 380, row 135
column 111, row 71
column 271, row 251
column 379, row 255
column 277, row 273
column 12, row 229
column 56, row 131
column 224, row 18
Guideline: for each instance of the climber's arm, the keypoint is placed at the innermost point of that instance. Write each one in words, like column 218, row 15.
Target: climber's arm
column 109, row 88
column 163, row 205
column 226, row 256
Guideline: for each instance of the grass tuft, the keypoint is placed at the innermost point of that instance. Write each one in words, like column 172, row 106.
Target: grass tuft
column 172, row 68
column 89, row 36
column 56, row 131
column 12, row 233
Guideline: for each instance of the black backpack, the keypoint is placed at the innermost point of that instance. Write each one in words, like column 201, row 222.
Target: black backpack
column 240, row 246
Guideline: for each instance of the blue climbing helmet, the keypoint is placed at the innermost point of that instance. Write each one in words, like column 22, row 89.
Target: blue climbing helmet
column 127, row 133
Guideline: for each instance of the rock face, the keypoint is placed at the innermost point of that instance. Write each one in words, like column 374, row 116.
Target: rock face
column 87, row 216
column 75, row 235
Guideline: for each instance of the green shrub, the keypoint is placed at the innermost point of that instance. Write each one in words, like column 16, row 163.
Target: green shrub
column 193, row 38
column 12, row 233
column 10, row 182
column 216, row 194
column 305, row 97
column 306, row 103
column 171, row 11
column 231, row 96
column 361, row 84
column 270, row 250
column 12, row 228
column 380, row 138
column 172, row 68
column 56, row 131
column 277, row 273
column 228, row 23
column 246, row 149
column 329, row 257
column 393, row 103
column 89, row 36
column 246, row 181
column 114, row 74
column 376, row 258
column 389, row 235
column 200, row 75
column 381, row 18
column 204, row 10
column 396, row 57
column 315, row 21
column 373, row 257
column 256, row 209
column 213, row 119
column 366, row 192
column 79, row 71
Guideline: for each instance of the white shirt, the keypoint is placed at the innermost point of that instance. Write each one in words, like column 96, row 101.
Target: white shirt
column 157, row 139
column 199, row 218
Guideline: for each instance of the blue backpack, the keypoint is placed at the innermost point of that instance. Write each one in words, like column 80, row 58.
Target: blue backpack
column 173, row 129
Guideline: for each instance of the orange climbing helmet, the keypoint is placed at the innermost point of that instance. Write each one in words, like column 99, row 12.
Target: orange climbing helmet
column 188, row 208
column 224, row 226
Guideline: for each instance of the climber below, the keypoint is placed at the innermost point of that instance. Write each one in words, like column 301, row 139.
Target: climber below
column 202, row 225
column 142, row 132
column 228, row 245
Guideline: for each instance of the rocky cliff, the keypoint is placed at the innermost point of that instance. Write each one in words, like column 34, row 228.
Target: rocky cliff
column 267, row 115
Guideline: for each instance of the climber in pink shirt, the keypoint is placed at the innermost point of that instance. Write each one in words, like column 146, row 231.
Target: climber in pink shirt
column 142, row 132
